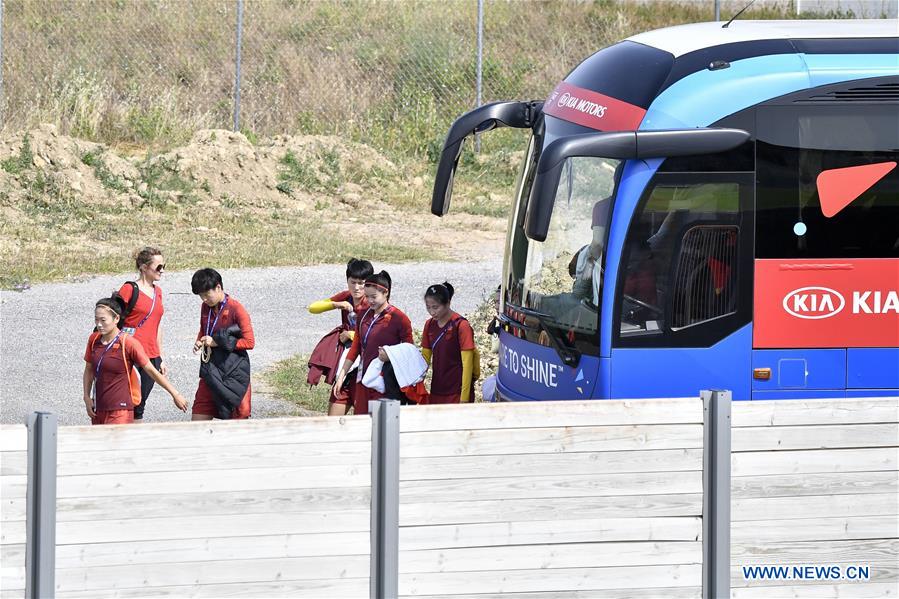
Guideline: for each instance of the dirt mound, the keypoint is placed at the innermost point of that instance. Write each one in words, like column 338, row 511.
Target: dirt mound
column 215, row 166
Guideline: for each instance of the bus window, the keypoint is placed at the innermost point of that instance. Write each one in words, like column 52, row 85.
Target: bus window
column 561, row 278
column 793, row 222
column 680, row 266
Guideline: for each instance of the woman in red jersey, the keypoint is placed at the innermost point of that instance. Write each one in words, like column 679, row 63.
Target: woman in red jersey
column 144, row 319
column 225, row 336
column 447, row 343
column 381, row 324
column 352, row 304
column 110, row 358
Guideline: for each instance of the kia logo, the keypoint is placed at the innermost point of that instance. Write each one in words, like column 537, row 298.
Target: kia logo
column 813, row 303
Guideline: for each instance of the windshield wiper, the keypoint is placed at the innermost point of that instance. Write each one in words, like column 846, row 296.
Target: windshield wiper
column 569, row 356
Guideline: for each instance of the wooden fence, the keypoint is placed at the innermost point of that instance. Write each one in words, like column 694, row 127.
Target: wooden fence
column 563, row 499
column 815, row 483
column 200, row 509
column 574, row 499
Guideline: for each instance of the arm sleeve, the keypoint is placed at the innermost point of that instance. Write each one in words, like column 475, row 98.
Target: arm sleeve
column 247, row 340
column 467, row 369
column 321, row 306
column 135, row 352
column 425, row 336
column 426, row 354
column 90, row 346
column 125, row 292
column 466, row 335
column 200, row 332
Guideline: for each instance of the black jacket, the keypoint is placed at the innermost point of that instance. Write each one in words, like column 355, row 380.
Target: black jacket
column 228, row 371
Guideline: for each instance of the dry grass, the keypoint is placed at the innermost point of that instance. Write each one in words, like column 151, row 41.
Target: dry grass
column 392, row 74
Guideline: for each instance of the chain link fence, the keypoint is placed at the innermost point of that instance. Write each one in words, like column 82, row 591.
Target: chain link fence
column 390, row 73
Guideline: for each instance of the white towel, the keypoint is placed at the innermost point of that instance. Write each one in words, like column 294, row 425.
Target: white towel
column 372, row 377
column 409, row 367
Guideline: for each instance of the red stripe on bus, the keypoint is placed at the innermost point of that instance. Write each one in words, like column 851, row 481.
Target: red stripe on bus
column 592, row 109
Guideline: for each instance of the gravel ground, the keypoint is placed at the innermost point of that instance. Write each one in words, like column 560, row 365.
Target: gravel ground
column 43, row 331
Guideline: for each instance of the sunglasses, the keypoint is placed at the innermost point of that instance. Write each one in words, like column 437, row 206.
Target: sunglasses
column 160, row 268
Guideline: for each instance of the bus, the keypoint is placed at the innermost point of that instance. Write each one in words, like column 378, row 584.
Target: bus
column 704, row 206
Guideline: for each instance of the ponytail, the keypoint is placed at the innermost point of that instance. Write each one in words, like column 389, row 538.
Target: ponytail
column 380, row 280
column 442, row 292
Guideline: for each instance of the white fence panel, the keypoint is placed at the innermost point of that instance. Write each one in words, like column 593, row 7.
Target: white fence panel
column 568, row 499
column 274, row 507
column 815, row 484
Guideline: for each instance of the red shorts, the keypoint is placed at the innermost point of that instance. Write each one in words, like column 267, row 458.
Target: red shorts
column 205, row 404
column 113, row 417
column 344, row 396
column 361, row 396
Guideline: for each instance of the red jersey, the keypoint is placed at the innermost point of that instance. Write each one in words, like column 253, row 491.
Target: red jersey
column 347, row 319
column 111, row 379
column 228, row 312
column 446, row 345
column 390, row 327
column 145, row 318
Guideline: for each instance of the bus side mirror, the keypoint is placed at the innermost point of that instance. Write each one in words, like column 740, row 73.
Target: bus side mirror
column 623, row 145
column 520, row 115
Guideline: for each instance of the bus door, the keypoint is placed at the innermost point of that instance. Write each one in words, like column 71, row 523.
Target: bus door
column 827, row 251
column 683, row 299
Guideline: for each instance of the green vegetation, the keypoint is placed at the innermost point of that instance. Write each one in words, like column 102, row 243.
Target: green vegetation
column 288, row 381
column 107, row 178
column 16, row 165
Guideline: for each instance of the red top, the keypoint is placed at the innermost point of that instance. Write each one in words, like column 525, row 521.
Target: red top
column 229, row 311
column 148, row 333
column 346, row 296
column 111, row 384
column 446, row 360
column 390, row 327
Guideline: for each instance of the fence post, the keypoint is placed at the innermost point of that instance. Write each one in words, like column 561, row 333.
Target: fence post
column 238, row 44
column 716, row 494
column 40, row 510
column 385, row 497
column 479, row 77
column 2, row 97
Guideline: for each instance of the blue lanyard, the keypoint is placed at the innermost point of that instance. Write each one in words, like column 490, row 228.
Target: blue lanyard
column 103, row 355
column 373, row 321
column 153, row 305
column 211, row 329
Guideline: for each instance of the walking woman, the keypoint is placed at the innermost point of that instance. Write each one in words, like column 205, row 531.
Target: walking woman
column 110, row 358
column 380, row 325
column 447, row 343
column 144, row 319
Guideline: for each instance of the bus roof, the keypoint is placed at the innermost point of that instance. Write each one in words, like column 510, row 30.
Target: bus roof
column 684, row 39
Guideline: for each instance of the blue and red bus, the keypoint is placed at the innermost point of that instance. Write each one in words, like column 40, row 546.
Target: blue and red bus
column 705, row 206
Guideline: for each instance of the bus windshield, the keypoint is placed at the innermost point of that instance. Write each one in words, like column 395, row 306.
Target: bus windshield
column 561, row 278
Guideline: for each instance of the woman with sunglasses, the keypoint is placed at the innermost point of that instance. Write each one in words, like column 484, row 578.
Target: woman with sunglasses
column 143, row 321
column 380, row 325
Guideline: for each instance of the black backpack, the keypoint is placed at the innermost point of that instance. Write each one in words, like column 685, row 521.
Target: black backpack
column 126, row 307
